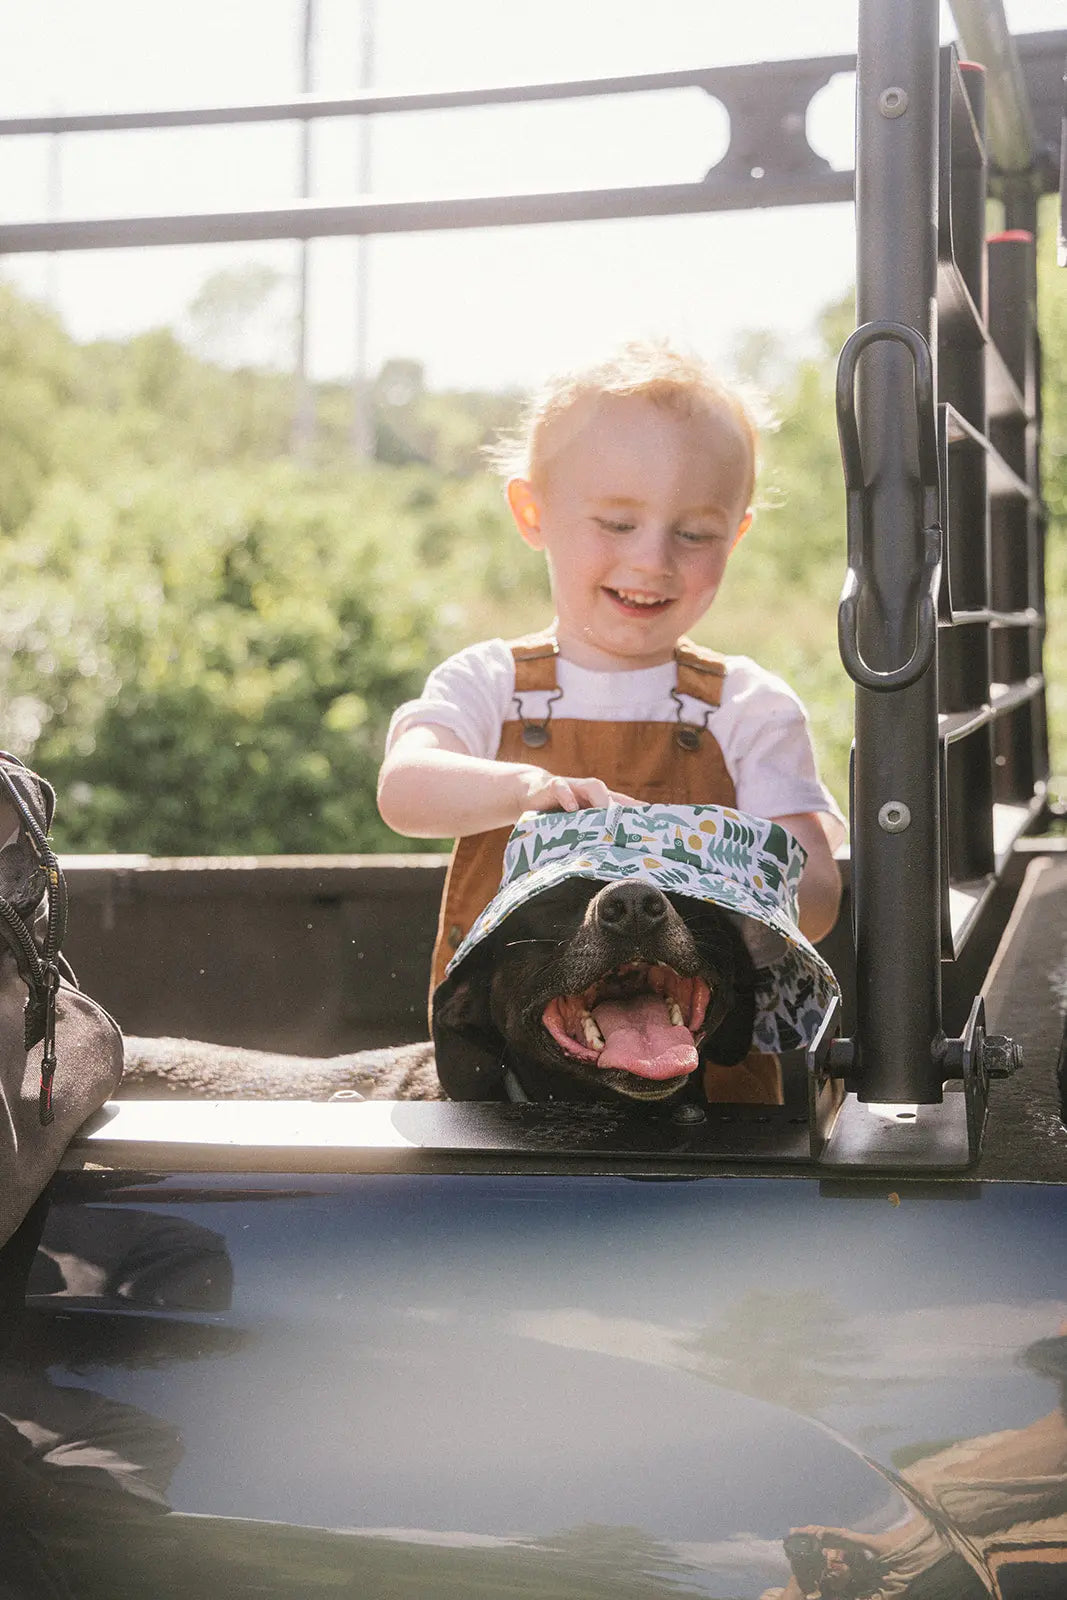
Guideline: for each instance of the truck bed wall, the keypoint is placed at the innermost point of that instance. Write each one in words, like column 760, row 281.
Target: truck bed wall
column 311, row 955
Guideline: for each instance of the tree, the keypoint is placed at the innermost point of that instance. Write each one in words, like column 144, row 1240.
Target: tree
column 234, row 317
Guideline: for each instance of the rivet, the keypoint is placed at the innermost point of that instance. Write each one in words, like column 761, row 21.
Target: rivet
column 688, row 1113
column 894, row 816
column 893, row 102
column 534, row 734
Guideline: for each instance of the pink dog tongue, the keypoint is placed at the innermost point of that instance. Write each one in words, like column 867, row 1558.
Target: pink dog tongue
column 640, row 1038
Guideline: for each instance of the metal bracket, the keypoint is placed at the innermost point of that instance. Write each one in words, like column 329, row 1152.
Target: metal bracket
column 980, row 1057
column 768, row 109
column 825, row 1092
column 846, row 1132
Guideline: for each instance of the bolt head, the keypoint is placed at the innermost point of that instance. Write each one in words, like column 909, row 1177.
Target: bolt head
column 688, row 1114
column 894, row 817
column 1001, row 1056
column 893, row 102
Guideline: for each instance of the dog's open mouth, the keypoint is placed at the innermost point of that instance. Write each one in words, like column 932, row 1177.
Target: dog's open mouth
column 641, row 1018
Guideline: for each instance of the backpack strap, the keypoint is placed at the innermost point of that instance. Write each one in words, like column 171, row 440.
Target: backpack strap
column 33, row 801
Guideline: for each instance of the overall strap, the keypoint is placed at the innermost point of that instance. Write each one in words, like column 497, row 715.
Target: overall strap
column 535, row 661
column 700, row 675
column 535, row 671
column 700, row 672
column 660, row 763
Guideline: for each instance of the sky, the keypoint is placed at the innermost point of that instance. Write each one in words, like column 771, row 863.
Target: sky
column 486, row 308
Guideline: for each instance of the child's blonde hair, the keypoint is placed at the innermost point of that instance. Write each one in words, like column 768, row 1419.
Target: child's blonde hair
column 651, row 369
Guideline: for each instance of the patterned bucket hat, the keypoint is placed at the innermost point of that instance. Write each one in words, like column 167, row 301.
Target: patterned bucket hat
column 747, row 865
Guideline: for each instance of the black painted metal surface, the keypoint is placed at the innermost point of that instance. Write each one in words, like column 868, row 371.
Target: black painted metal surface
column 292, row 1386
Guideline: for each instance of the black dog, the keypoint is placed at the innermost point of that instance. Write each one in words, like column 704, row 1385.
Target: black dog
column 587, row 992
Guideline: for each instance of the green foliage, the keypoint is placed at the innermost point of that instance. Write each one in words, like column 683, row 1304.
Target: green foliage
column 207, row 666
column 201, row 642
column 37, row 368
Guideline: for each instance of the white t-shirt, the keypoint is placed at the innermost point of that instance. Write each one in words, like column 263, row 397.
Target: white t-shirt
column 761, row 726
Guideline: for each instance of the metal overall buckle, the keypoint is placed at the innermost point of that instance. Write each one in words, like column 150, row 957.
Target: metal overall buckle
column 687, row 735
column 535, row 732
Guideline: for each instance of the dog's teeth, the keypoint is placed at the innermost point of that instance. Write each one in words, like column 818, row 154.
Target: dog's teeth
column 593, row 1036
column 674, row 1013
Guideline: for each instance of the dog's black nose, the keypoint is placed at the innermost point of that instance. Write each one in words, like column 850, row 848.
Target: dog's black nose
column 630, row 907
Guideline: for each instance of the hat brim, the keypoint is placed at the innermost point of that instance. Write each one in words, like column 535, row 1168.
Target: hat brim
column 748, row 866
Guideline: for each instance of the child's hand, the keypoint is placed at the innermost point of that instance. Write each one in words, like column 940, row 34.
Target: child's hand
column 550, row 793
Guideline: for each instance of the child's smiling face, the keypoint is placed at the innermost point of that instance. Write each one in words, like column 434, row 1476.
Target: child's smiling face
column 637, row 514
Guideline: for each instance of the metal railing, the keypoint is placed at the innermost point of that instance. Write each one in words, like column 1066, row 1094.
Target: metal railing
column 943, row 609
column 768, row 162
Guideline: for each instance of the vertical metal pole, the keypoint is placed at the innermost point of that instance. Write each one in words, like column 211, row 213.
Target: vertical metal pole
column 1021, row 214
column 55, row 206
column 362, row 408
column 303, row 411
column 896, row 870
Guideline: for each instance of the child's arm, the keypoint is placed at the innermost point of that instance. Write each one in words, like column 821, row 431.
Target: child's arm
column 820, row 887
column 431, row 787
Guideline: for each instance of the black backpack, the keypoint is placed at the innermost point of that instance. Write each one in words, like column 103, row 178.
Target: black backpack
column 60, row 1052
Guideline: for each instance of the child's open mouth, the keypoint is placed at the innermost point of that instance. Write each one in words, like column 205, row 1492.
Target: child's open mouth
column 637, row 604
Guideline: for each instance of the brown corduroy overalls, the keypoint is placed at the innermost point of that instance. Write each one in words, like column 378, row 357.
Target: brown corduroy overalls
column 673, row 762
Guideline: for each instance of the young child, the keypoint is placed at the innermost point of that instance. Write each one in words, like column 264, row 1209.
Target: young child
column 635, row 478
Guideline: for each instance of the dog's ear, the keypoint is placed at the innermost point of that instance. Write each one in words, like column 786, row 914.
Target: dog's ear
column 468, row 1049
column 732, row 1039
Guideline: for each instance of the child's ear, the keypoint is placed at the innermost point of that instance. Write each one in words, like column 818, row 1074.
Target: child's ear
column 526, row 511
column 742, row 528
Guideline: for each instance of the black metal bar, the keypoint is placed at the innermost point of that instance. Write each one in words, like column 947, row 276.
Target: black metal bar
column 1039, row 55
column 896, row 809
column 964, row 658
column 1018, row 527
column 717, row 81
column 985, row 38
column 315, row 220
